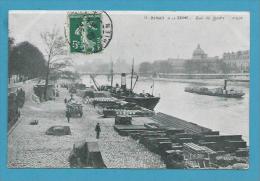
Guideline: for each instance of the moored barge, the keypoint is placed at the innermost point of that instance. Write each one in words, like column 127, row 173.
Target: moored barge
column 220, row 92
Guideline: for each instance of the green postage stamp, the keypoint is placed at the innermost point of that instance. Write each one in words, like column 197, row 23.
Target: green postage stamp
column 89, row 32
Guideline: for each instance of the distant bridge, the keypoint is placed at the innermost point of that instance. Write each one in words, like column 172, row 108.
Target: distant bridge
column 244, row 76
column 93, row 73
column 105, row 73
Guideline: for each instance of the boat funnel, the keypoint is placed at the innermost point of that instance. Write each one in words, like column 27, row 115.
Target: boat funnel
column 123, row 81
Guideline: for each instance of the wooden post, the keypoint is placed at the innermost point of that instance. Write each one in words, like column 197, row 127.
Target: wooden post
column 112, row 74
column 225, row 84
column 132, row 72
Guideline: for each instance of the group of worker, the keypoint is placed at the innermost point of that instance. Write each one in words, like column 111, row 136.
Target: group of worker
column 68, row 116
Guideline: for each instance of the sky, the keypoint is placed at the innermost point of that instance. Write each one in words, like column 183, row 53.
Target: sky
column 146, row 36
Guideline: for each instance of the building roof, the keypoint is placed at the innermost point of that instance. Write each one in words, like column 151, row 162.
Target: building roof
column 198, row 51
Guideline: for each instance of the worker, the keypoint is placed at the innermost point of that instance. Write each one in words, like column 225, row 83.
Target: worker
column 68, row 115
column 98, row 130
column 71, row 98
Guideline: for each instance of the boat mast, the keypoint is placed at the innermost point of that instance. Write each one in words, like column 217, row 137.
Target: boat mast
column 94, row 81
column 135, row 81
column 132, row 75
column 153, row 87
column 112, row 74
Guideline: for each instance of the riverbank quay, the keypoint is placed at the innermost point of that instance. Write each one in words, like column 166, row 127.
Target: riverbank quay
column 30, row 147
column 155, row 141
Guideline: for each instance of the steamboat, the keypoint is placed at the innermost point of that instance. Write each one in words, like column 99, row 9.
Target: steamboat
column 145, row 100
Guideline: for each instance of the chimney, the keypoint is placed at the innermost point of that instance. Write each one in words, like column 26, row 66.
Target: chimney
column 123, row 81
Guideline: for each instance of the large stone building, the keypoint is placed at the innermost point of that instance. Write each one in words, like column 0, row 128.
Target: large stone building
column 201, row 63
column 177, row 65
column 230, row 62
column 199, row 54
column 237, row 61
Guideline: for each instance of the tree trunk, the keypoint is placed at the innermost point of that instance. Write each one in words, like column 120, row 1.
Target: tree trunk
column 47, row 79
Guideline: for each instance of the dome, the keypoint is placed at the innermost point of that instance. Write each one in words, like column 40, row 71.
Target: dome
column 198, row 53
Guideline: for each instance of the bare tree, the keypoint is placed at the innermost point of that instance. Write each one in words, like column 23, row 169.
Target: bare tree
column 56, row 51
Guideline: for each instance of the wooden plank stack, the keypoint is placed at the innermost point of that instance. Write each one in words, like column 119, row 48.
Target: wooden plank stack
column 186, row 140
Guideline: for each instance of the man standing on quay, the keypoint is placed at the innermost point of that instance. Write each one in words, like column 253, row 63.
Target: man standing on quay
column 98, row 130
column 68, row 115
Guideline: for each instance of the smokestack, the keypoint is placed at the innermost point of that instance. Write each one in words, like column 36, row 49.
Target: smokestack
column 123, row 81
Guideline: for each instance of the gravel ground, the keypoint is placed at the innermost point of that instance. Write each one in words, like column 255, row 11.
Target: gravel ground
column 29, row 147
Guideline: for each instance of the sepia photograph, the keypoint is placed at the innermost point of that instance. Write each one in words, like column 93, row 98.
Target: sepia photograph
column 128, row 89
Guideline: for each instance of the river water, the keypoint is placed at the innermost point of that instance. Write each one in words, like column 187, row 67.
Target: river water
column 227, row 115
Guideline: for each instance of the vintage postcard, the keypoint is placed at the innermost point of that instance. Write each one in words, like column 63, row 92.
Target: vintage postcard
column 128, row 89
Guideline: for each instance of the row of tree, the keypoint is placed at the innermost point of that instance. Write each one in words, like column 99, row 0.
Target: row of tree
column 26, row 60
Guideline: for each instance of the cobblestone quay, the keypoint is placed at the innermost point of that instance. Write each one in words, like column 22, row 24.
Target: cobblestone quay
column 30, row 147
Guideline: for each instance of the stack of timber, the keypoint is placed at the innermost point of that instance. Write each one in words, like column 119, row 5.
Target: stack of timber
column 172, row 121
column 134, row 113
column 104, row 101
column 126, row 130
column 116, row 107
column 111, row 107
column 123, row 120
column 227, row 143
column 182, row 144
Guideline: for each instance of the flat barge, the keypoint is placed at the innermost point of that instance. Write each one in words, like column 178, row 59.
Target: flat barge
column 220, row 92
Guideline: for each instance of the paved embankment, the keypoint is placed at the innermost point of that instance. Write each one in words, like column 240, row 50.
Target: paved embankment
column 28, row 146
